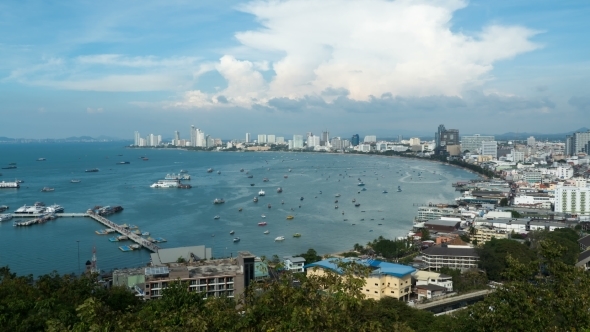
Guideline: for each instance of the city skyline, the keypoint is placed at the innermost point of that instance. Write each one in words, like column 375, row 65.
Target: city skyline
column 378, row 67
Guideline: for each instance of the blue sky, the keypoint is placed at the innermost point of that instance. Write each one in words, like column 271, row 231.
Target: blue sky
column 70, row 68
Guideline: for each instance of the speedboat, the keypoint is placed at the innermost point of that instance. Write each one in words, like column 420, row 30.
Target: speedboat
column 210, row 170
column 337, row 195
column 265, row 180
column 261, row 193
column 266, row 232
column 279, row 238
column 399, row 189
column 240, row 210
column 360, row 184
column 236, row 239
column 216, row 217
column 183, row 171
column 290, row 217
column 357, row 204
column 262, row 223
column 255, row 199
column 218, row 201
column 145, row 234
column 354, row 200
column 231, row 232
column 75, row 181
column 385, row 191
column 263, row 216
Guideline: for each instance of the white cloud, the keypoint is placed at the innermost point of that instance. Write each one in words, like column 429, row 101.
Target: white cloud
column 90, row 110
column 368, row 48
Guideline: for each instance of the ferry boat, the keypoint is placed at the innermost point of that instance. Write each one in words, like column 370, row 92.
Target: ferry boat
column 166, row 184
column 279, row 238
column 91, row 170
column 5, row 217
column 261, row 193
column 262, row 223
column 218, row 201
column 279, row 190
column 236, row 239
column 9, row 185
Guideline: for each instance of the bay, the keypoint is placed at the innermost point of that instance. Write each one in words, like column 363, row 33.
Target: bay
column 185, row 217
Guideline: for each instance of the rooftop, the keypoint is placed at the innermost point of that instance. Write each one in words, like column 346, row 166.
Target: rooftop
column 443, row 250
column 379, row 267
column 296, row 259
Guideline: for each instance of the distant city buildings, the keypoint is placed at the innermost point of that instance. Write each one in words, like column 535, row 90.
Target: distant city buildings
column 248, row 138
column 473, row 143
column 444, row 138
column 370, row 139
column 297, row 142
column 489, row 148
column 355, row 140
column 576, row 143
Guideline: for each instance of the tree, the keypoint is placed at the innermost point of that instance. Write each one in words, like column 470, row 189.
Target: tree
column 425, row 234
column 311, row 256
column 492, row 256
column 504, row 202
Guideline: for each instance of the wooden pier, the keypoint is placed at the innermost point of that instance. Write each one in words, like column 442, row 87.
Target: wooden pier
column 123, row 231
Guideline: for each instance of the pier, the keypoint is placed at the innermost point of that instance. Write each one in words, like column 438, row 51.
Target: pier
column 121, row 230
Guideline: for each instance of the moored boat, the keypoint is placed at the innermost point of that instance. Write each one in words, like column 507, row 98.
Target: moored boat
column 279, row 190
column 279, row 238
column 261, row 193
column 218, row 201
column 262, row 223
column 236, row 239
column 290, row 217
column 297, row 235
column 266, row 232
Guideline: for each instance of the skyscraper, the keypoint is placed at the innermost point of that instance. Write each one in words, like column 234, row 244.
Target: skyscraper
column 271, row 139
column 355, row 140
column 325, row 138
column 261, row 138
column 576, row 143
column 193, row 136
column 247, row 137
column 297, row 142
column 137, row 139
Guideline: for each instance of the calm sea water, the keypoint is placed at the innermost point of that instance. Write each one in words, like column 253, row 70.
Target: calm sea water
column 185, row 217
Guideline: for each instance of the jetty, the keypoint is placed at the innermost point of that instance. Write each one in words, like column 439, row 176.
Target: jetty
column 124, row 231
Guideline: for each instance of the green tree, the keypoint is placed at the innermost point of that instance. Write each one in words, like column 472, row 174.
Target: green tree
column 492, row 256
column 425, row 234
column 504, row 202
column 311, row 256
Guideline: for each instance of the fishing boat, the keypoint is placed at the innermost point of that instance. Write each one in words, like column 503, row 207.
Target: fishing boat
column 290, row 217
column 216, row 217
column 301, row 198
column 236, row 239
column 364, row 189
column 279, row 238
column 262, row 223
column 297, row 235
column 251, row 184
column 354, row 200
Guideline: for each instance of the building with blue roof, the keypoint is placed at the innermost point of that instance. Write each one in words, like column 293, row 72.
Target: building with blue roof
column 384, row 280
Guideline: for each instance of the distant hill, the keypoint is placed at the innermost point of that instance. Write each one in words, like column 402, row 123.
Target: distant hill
column 538, row 136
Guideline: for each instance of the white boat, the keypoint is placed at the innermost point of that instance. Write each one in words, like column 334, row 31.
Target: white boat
column 75, row 181
column 41, row 159
column 263, row 216
column 47, row 189
column 54, row 209
column 261, row 193
column 216, row 217
column 218, row 201
column 236, row 239
column 279, row 238
column 231, row 232
column 22, row 209
column 145, row 234
column 255, row 199
column 337, row 195
column 5, row 217
column 166, row 184
column 135, row 246
column 266, row 232
column 183, row 171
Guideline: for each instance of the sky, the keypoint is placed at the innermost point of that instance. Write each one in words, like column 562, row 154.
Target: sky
column 284, row 67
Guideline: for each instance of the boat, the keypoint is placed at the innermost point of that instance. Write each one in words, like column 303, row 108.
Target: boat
column 290, row 217
column 357, row 204
column 279, row 238
column 3, row 208
column 9, row 185
column 279, row 190
column 173, row 176
column 261, row 193
column 241, row 169
column 337, row 195
column 19, row 181
column 301, row 198
column 289, row 170
column 266, row 232
column 251, row 184
column 218, row 201
column 364, row 189
column 269, row 205
column 262, row 223
column 218, row 172
column 236, row 239
column 297, row 235
column 360, row 184
column 265, row 180
column 91, row 170
column 145, row 234
column 285, row 176
column 166, row 184
column 385, row 191
column 231, row 232
column 9, row 167
column 47, row 189
column 135, row 246
column 54, row 209
column 75, row 181
column 336, row 207
column 263, row 216
column 216, row 217
column 122, row 237
column 210, row 170
column 183, row 171
column 354, row 200
column 100, row 232
column 255, row 199
column 399, row 189
column 40, row 159
column 144, row 159
column 137, row 232
column 5, row 217
column 123, row 163
column 250, row 176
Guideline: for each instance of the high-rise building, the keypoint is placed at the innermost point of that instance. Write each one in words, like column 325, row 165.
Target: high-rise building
column 297, row 142
column 530, row 141
column 473, row 143
column 313, row 141
column 445, row 137
column 489, row 148
column 414, row 141
column 280, row 140
column 177, row 135
column 193, row 136
column 438, row 134
column 572, row 199
column 370, row 139
column 355, row 140
column 247, row 137
column 576, row 143
column 261, row 139
column 137, row 138
column 271, row 139
column 325, row 138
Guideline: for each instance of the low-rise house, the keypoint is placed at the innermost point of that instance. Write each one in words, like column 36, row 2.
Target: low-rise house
column 443, row 225
column 430, row 291
column 584, row 242
column 385, row 279
column 484, row 234
column 294, row 264
column 584, row 260
column 434, row 278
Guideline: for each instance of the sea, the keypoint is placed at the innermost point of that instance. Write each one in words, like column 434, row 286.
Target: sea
column 311, row 183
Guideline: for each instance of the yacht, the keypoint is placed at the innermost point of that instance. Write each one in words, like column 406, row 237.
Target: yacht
column 279, row 238
column 3, row 208
column 166, row 184
column 262, row 223
column 5, row 217
column 236, row 239
column 218, row 201
column 22, row 209
column 279, row 190
column 47, row 189
column 261, row 193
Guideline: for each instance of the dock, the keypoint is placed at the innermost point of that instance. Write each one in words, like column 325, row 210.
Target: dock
column 124, row 231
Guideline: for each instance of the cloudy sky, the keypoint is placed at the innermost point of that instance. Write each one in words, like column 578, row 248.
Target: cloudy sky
column 283, row 67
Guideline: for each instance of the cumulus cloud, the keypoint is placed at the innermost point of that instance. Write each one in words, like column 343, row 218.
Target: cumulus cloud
column 364, row 48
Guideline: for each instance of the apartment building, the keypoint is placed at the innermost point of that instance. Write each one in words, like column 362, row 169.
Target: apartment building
column 384, row 280
column 451, row 256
